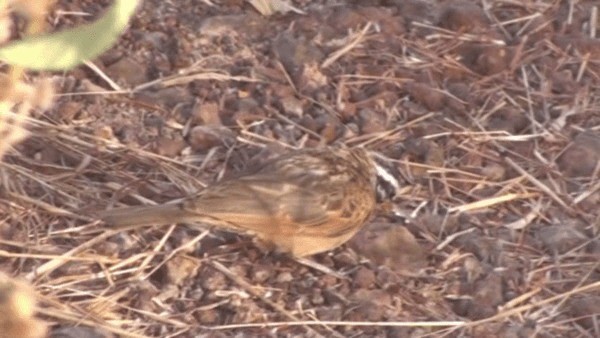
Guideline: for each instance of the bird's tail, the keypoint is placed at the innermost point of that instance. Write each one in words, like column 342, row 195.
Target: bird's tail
column 148, row 215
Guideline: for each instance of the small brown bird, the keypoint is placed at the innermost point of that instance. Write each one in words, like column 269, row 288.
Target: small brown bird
column 304, row 202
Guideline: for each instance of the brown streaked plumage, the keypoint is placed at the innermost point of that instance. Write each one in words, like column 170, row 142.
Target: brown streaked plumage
column 304, row 202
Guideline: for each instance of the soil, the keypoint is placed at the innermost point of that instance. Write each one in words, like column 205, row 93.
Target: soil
column 490, row 116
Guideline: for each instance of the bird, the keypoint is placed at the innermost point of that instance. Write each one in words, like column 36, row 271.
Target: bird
column 304, row 202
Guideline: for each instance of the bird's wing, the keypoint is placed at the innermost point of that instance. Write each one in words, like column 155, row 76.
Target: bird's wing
column 265, row 204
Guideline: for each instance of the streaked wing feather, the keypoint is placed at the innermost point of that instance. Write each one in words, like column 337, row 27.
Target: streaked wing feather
column 259, row 198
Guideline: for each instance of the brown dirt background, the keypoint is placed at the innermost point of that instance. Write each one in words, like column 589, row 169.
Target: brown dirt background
column 490, row 116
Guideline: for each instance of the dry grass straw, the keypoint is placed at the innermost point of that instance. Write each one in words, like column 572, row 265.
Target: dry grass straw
column 84, row 281
column 17, row 298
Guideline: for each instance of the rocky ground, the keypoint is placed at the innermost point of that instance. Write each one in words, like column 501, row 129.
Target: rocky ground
column 490, row 114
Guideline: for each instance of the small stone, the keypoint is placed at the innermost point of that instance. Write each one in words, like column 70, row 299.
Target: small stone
column 78, row 332
column 317, row 298
column 472, row 268
column 169, row 147
column 284, row 277
column 510, row 120
column 390, row 245
column 168, row 97
column 371, row 121
column 581, row 158
column 69, row 110
column 206, row 113
column 292, row 106
column 560, row 238
column 129, row 71
column 462, row 16
column 587, row 310
column 261, row 273
column 364, row 278
column 492, row 60
column 487, row 295
column 427, row 96
column 178, row 269
column 372, row 305
column 203, row 138
column 213, row 280
column 493, row 171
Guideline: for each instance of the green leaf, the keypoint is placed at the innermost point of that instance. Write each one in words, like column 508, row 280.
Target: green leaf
column 69, row 48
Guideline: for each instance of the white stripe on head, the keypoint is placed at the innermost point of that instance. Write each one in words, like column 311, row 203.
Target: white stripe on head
column 385, row 175
column 388, row 184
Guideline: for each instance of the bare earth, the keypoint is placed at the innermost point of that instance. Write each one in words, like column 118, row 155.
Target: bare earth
column 491, row 116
